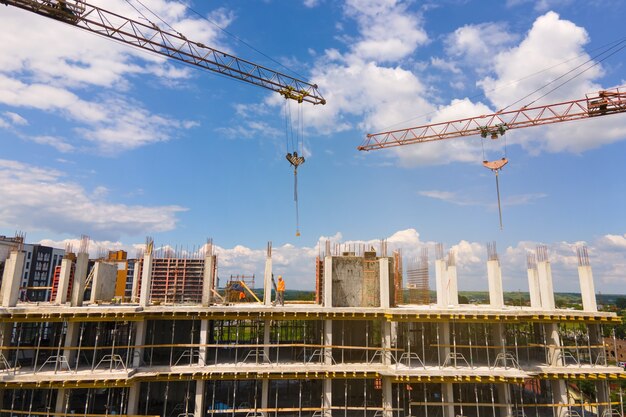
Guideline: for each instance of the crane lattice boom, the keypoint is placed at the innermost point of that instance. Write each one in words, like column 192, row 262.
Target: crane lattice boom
column 602, row 103
column 150, row 37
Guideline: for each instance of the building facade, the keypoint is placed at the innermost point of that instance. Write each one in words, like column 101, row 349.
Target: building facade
column 357, row 352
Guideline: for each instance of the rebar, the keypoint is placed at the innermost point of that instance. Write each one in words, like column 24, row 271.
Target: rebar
column 542, row 253
column 492, row 252
column 583, row 256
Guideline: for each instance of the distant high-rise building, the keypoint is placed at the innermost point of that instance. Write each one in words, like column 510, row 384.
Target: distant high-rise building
column 38, row 269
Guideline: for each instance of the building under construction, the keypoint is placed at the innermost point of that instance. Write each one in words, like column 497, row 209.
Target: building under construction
column 175, row 346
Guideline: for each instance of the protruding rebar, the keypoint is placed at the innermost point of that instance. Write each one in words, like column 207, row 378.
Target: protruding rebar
column 84, row 244
column 583, row 256
column 542, row 253
column 451, row 258
column 439, row 251
column 149, row 245
column 492, row 252
column 531, row 261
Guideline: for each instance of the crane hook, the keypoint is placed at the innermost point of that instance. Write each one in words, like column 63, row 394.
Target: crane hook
column 496, row 166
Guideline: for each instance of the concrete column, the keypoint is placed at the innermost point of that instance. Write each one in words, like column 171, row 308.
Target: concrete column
column 328, row 341
column 440, row 279
column 12, row 278
column 587, row 288
column 64, row 281
column 146, row 280
column 544, row 274
column 71, row 340
column 62, row 400
column 327, row 398
column 132, row 407
column 554, row 352
column 446, row 388
column 267, row 282
column 444, row 339
column 453, row 286
column 328, row 282
column 503, row 390
column 198, row 405
column 80, row 279
column 384, row 282
column 602, row 394
column 534, row 289
column 8, row 274
column 494, row 276
column 387, row 342
column 140, row 339
column 447, row 391
column 203, row 351
column 387, row 397
column 504, row 397
column 103, row 284
column 134, row 292
column 203, row 355
column 266, row 338
column 559, row 391
column 265, row 394
column 208, row 282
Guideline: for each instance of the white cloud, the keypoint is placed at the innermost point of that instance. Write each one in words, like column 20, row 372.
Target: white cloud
column 43, row 199
column 15, row 118
column 360, row 91
column 549, row 46
column 477, row 44
column 470, row 199
column 444, row 65
column 56, row 142
column 377, row 41
column 540, row 5
column 52, row 68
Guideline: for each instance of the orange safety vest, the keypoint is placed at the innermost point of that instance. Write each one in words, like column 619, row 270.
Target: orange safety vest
column 281, row 286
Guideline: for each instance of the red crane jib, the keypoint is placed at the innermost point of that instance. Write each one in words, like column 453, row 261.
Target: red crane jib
column 602, row 103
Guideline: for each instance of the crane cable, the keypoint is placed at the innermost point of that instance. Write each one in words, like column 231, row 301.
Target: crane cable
column 621, row 44
column 514, row 82
column 294, row 144
column 498, row 131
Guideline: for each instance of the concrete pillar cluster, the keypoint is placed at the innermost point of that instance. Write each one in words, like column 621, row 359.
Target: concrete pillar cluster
column 446, row 279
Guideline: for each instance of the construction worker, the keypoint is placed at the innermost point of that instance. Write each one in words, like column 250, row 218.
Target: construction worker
column 280, row 291
column 242, row 297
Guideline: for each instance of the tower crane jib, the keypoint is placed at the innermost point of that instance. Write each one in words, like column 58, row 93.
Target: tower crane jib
column 150, row 37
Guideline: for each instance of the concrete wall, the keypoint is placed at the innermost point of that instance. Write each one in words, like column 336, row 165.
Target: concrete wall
column 104, row 280
column 348, row 281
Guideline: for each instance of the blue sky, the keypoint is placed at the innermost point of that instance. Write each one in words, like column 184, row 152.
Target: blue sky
column 104, row 140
